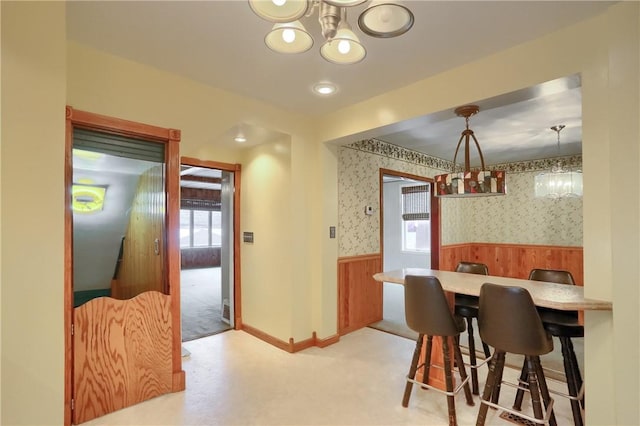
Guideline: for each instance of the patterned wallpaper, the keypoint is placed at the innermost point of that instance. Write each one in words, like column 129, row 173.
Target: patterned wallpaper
column 517, row 218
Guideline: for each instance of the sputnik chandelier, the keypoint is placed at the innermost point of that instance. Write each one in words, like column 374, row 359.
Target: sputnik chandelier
column 381, row 19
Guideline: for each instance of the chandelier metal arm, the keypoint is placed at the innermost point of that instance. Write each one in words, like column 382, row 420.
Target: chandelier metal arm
column 465, row 135
column 479, row 151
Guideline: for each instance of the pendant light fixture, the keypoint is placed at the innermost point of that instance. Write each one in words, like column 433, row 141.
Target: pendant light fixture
column 382, row 19
column 289, row 37
column 345, row 47
column 560, row 181
column 385, row 19
column 469, row 182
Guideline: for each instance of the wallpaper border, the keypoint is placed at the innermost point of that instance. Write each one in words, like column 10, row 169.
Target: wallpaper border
column 386, row 149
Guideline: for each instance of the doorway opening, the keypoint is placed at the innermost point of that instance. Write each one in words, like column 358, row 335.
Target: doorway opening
column 207, row 273
column 409, row 238
column 121, row 286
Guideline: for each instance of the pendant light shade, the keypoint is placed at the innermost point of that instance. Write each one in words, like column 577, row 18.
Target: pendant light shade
column 344, row 3
column 345, row 47
column 290, row 37
column 470, row 182
column 385, row 19
column 280, row 10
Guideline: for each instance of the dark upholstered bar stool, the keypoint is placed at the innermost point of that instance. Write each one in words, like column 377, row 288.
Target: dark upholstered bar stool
column 509, row 321
column 564, row 325
column 467, row 307
column 428, row 313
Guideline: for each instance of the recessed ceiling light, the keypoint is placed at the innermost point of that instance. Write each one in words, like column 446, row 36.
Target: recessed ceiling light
column 324, row 88
column 240, row 139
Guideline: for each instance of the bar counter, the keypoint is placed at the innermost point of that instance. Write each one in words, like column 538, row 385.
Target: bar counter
column 548, row 295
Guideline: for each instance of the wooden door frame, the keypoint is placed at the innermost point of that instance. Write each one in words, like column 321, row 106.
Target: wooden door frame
column 171, row 138
column 236, row 170
column 435, row 214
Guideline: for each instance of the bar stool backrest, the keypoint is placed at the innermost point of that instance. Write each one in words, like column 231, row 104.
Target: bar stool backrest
column 552, row 276
column 426, row 308
column 473, row 268
column 509, row 321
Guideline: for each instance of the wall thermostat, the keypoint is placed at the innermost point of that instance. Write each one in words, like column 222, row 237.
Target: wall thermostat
column 368, row 210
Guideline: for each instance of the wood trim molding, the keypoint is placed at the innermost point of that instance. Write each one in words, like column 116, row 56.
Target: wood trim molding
column 291, row 346
column 327, row 341
column 435, row 213
column 360, row 257
column 68, row 272
column 237, row 270
column 89, row 120
column 170, row 137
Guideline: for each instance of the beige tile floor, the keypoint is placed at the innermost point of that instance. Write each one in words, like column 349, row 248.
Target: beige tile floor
column 234, row 378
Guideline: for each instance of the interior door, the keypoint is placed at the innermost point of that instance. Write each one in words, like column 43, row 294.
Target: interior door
column 120, row 291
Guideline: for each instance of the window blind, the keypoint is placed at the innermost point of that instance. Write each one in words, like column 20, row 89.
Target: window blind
column 415, row 202
column 121, row 146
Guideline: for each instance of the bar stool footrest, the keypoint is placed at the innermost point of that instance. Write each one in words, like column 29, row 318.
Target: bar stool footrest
column 427, row 385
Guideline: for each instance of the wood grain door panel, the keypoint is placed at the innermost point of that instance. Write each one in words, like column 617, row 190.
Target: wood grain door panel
column 122, row 353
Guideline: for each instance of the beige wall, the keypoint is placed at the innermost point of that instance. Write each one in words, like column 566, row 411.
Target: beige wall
column 604, row 50
column 266, row 273
column 33, row 96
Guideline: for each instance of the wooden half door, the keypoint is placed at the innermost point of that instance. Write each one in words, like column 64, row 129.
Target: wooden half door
column 122, row 288
column 122, row 353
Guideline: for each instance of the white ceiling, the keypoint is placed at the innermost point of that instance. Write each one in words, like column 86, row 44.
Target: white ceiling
column 220, row 43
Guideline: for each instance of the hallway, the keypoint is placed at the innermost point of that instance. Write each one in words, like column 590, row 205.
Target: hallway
column 201, row 303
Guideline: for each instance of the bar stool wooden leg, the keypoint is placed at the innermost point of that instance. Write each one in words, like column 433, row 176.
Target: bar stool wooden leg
column 448, row 377
column 534, row 388
column 412, row 371
column 544, row 390
column 578, row 376
column 472, row 356
column 427, row 359
column 517, row 404
column 489, row 386
column 572, row 372
column 463, row 374
column 495, row 396
column 487, row 352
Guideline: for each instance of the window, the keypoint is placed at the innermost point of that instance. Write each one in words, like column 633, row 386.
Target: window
column 416, row 235
column 200, row 228
column 416, row 223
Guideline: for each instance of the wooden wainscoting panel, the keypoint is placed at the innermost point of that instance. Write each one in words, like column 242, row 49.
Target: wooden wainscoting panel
column 359, row 295
column 123, row 353
column 515, row 260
